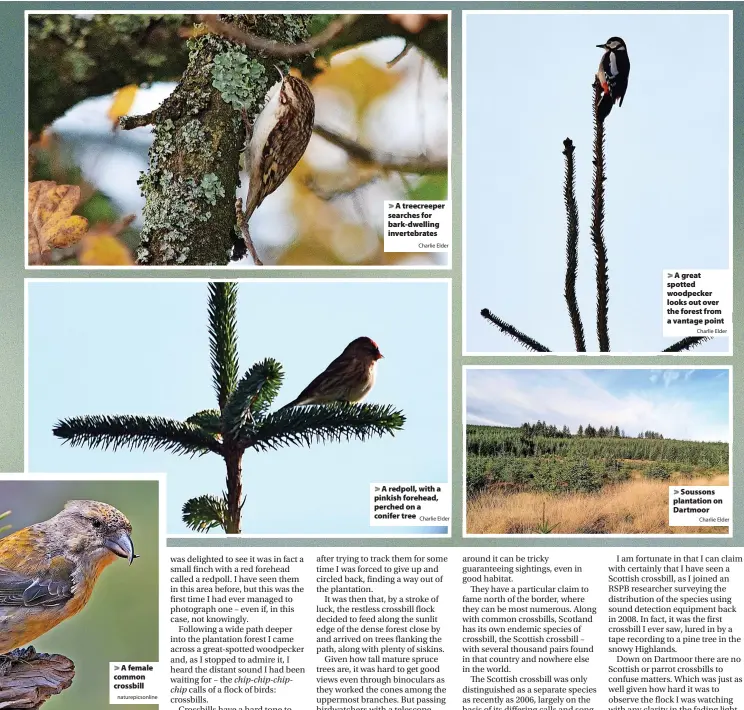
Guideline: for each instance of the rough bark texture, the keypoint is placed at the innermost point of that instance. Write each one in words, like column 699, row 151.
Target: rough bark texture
column 189, row 188
column 28, row 679
column 234, row 485
column 74, row 58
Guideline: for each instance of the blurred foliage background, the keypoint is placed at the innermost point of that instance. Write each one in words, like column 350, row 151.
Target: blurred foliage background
column 120, row 622
column 387, row 95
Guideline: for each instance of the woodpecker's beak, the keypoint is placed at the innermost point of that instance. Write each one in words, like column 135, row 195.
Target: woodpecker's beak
column 122, row 546
column 602, row 46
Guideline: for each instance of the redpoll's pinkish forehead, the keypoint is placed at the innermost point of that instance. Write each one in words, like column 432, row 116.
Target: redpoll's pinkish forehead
column 372, row 345
column 364, row 346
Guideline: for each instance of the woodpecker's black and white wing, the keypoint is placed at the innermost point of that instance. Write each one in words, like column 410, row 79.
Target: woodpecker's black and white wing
column 613, row 72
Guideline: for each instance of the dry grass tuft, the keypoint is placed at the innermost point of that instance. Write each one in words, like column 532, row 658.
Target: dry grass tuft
column 635, row 507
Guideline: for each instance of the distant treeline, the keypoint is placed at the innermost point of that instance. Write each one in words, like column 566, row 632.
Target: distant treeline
column 519, row 441
column 541, row 428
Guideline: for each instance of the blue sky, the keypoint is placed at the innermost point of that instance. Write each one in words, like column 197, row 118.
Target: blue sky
column 680, row 403
column 110, row 347
column 528, row 87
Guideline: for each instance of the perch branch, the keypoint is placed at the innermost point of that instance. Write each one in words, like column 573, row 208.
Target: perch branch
column 685, row 344
column 358, row 152
column 127, row 123
column 572, row 245
column 277, row 49
column 28, row 679
column 347, row 188
column 600, row 248
column 401, row 55
column 510, row 330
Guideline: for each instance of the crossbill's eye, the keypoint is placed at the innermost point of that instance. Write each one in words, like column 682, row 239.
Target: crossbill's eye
column 96, row 523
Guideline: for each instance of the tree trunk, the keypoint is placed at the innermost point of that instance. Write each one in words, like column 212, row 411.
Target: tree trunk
column 234, row 487
column 190, row 187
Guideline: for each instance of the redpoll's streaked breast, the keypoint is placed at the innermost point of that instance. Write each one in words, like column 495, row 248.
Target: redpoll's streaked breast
column 349, row 378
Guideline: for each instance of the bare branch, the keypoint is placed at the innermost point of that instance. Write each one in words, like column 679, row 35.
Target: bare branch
column 510, row 330
column 685, row 344
column 340, row 190
column 600, row 248
column 127, row 123
column 572, row 246
column 358, row 152
column 401, row 55
column 277, row 49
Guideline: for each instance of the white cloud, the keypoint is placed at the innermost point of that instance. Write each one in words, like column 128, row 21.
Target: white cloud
column 572, row 397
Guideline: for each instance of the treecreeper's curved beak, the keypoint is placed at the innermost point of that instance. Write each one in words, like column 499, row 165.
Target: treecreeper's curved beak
column 122, row 546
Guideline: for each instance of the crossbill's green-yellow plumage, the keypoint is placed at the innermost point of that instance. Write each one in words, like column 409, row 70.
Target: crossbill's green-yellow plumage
column 48, row 570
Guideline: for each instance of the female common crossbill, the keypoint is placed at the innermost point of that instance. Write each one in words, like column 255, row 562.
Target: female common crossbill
column 48, row 570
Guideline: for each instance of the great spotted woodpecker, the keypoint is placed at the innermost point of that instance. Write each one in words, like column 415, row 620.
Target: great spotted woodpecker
column 614, row 68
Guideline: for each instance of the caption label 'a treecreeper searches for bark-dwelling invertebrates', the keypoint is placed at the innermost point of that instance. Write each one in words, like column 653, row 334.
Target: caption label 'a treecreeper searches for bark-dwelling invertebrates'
column 418, row 226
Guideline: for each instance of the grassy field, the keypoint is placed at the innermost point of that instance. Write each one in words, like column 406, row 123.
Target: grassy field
column 527, row 485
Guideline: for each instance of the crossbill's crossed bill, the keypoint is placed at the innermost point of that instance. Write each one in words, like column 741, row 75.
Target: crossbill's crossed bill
column 48, row 570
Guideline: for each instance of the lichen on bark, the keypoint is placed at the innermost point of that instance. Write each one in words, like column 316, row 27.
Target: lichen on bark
column 191, row 182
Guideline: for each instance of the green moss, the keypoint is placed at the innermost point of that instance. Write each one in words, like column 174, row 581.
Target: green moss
column 296, row 28
column 72, row 57
column 289, row 29
column 78, row 64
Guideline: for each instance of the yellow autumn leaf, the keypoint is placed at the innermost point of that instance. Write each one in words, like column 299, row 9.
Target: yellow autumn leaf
column 359, row 79
column 122, row 103
column 103, row 249
column 51, row 223
column 302, row 253
column 324, row 235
